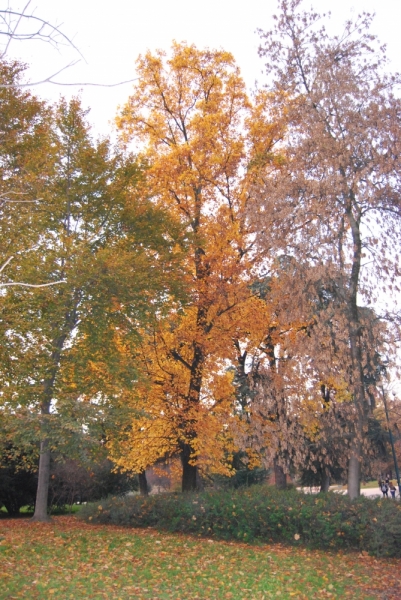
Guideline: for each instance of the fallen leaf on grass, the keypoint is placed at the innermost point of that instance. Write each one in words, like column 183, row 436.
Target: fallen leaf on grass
column 221, row 566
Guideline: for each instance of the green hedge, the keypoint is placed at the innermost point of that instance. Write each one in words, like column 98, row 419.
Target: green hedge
column 261, row 513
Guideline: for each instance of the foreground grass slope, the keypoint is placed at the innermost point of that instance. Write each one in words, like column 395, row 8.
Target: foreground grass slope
column 69, row 559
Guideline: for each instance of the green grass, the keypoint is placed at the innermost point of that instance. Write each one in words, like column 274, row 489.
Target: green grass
column 27, row 511
column 68, row 559
column 364, row 486
column 369, row 485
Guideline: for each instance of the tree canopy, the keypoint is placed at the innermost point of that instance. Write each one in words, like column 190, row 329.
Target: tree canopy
column 210, row 287
column 336, row 198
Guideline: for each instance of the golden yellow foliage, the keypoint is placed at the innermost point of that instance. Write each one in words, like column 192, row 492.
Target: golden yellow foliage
column 201, row 138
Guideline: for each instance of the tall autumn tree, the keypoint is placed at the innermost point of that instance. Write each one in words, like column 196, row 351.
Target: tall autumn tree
column 91, row 231
column 202, row 139
column 337, row 196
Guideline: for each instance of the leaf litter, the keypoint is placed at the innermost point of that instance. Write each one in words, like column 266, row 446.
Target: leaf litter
column 70, row 559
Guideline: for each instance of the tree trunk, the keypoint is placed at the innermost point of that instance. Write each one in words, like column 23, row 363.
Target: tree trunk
column 143, row 484
column 354, row 473
column 325, row 485
column 354, row 464
column 42, row 492
column 43, row 484
column 357, row 378
column 280, row 477
column 189, row 472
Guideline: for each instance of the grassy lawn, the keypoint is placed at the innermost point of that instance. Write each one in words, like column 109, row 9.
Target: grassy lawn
column 27, row 511
column 369, row 485
column 69, row 559
column 364, row 486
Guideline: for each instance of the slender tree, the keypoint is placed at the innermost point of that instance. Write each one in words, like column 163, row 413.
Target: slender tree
column 335, row 200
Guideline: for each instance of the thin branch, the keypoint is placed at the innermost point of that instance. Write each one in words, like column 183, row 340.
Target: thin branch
column 3, row 198
column 32, row 285
column 6, row 263
column 75, row 83
column 37, row 34
column 109, row 85
column 11, row 31
column 47, row 80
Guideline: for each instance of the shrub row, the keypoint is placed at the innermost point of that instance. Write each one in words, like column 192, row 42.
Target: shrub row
column 261, row 513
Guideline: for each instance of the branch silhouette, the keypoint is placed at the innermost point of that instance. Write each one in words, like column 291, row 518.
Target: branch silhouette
column 11, row 22
column 23, row 284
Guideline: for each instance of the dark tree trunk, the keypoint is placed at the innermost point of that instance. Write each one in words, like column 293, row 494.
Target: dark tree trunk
column 42, row 493
column 199, row 482
column 189, row 472
column 280, row 477
column 143, row 484
column 325, row 484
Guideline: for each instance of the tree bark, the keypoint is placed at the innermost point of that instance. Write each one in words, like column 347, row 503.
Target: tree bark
column 189, row 472
column 70, row 320
column 354, row 465
column 354, row 473
column 325, row 485
column 280, row 477
column 143, row 484
column 42, row 493
column 357, row 377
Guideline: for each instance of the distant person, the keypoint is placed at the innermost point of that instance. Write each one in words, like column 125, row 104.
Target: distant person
column 392, row 490
column 384, row 489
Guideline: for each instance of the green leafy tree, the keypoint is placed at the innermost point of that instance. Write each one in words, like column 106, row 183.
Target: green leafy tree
column 25, row 164
column 96, row 235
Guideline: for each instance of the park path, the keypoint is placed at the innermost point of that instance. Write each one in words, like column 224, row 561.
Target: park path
column 369, row 492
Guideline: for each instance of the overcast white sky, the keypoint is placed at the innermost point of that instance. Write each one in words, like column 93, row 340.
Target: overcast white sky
column 111, row 35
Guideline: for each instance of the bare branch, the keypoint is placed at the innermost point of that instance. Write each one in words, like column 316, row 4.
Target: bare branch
column 32, row 285
column 45, row 31
column 3, row 198
column 62, row 83
column 86, row 83
column 13, row 32
column 6, row 263
column 11, row 21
